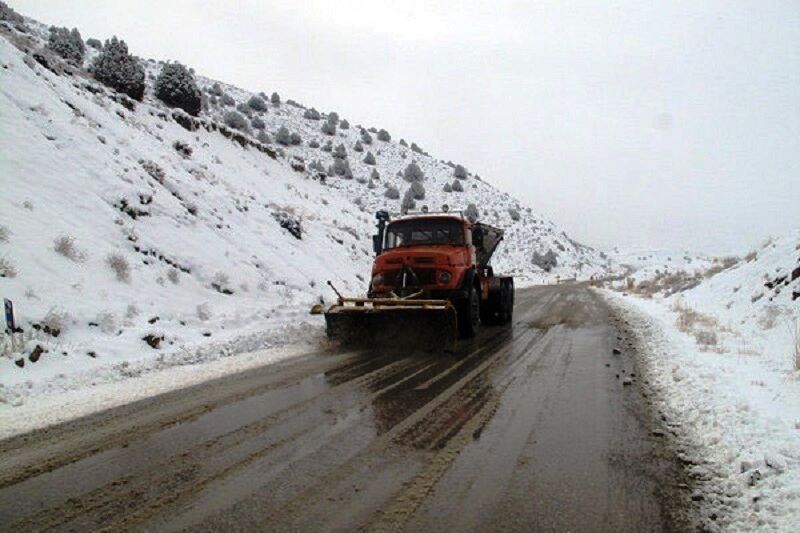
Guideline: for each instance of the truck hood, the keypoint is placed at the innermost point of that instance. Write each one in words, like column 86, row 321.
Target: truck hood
column 421, row 256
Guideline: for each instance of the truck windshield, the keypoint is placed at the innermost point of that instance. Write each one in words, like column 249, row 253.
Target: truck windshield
column 424, row 232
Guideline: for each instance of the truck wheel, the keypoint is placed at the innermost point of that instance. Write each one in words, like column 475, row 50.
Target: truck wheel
column 469, row 316
column 507, row 304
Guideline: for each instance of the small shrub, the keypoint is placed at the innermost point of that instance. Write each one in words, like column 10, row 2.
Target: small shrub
column 329, row 128
column 447, row 188
column 3, row 234
column 413, row 173
column 54, row 322
column 275, row 99
column 236, row 121
column 226, row 100
column 152, row 168
column 221, row 283
column 371, row 184
column 283, row 136
column 384, row 136
column 408, row 202
column 173, row 275
column 375, row 175
column 366, row 138
column 295, row 139
column 340, row 152
column 417, row 190
column 460, row 172
column 203, row 312
column 415, row 148
column 369, row 159
column 120, row 266
column 341, row 167
column 215, row 89
column 183, row 149
column 344, row 125
column 391, row 192
column 65, row 245
column 114, row 67
column 358, row 147
column 244, row 109
column 546, row 262
column 796, row 335
column 312, row 114
column 94, row 43
column 456, row 186
column 176, row 87
column 257, row 123
column 403, row 143
column 313, row 143
column 471, row 212
column 7, row 268
column 256, row 103
column 514, row 214
column 67, row 44
column 290, row 223
column 263, row 137
column 327, row 147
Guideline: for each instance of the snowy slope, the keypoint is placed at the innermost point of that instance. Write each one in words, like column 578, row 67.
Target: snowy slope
column 123, row 253
column 724, row 360
column 644, row 264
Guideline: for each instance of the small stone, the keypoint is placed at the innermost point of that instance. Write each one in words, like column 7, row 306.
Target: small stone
column 616, row 351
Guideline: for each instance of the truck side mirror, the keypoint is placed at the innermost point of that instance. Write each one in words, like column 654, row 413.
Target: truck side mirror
column 377, row 244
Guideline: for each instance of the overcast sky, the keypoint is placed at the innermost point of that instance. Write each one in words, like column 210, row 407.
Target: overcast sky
column 653, row 124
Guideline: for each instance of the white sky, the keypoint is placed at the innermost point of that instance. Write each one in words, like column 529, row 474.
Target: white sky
column 653, row 124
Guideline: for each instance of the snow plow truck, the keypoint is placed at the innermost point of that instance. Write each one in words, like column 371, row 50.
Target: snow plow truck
column 431, row 281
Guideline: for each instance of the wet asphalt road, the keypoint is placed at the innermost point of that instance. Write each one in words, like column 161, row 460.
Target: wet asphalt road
column 525, row 428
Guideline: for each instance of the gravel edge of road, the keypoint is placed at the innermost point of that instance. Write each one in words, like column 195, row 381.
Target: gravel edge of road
column 690, row 508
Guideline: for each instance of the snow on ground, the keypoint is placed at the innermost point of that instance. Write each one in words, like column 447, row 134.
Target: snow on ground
column 130, row 242
column 722, row 358
column 643, row 264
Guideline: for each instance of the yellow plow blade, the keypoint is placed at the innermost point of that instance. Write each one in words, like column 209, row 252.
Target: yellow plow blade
column 392, row 322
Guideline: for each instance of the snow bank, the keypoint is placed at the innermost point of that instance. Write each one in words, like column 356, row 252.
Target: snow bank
column 721, row 358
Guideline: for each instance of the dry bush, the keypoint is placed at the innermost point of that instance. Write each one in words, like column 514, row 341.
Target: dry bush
column 796, row 342
column 702, row 327
column 120, row 266
column 3, row 233
column 172, row 275
column 751, row 256
column 7, row 268
column 65, row 245
column 222, row 283
column 769, row 316
column 203, row 312
column 55, row 321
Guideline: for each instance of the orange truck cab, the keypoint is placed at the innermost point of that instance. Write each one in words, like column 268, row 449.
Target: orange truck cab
column 442, row 256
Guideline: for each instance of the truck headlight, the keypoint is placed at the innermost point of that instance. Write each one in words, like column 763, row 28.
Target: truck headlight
column 445, row 276
column 377, row 279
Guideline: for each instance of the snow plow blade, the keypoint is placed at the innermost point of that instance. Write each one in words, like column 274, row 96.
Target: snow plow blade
column 392, row 323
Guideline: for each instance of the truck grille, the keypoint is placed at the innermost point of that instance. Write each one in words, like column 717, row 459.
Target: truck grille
column 426, row 276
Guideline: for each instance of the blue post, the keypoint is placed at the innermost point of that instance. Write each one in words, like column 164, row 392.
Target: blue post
column 9, row 307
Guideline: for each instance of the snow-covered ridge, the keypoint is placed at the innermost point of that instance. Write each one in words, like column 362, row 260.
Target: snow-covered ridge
column 135, row 236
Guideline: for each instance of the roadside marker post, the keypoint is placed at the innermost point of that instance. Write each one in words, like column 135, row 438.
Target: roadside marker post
column 11, row 327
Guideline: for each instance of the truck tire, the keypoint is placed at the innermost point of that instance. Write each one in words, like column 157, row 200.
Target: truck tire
column 507, row 303
column 469, row 314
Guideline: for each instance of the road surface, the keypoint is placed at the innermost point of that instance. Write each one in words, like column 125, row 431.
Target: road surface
column 526, row 428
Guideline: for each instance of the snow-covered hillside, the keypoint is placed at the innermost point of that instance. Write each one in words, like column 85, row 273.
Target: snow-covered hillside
column 134, row 236
column 724, row 360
